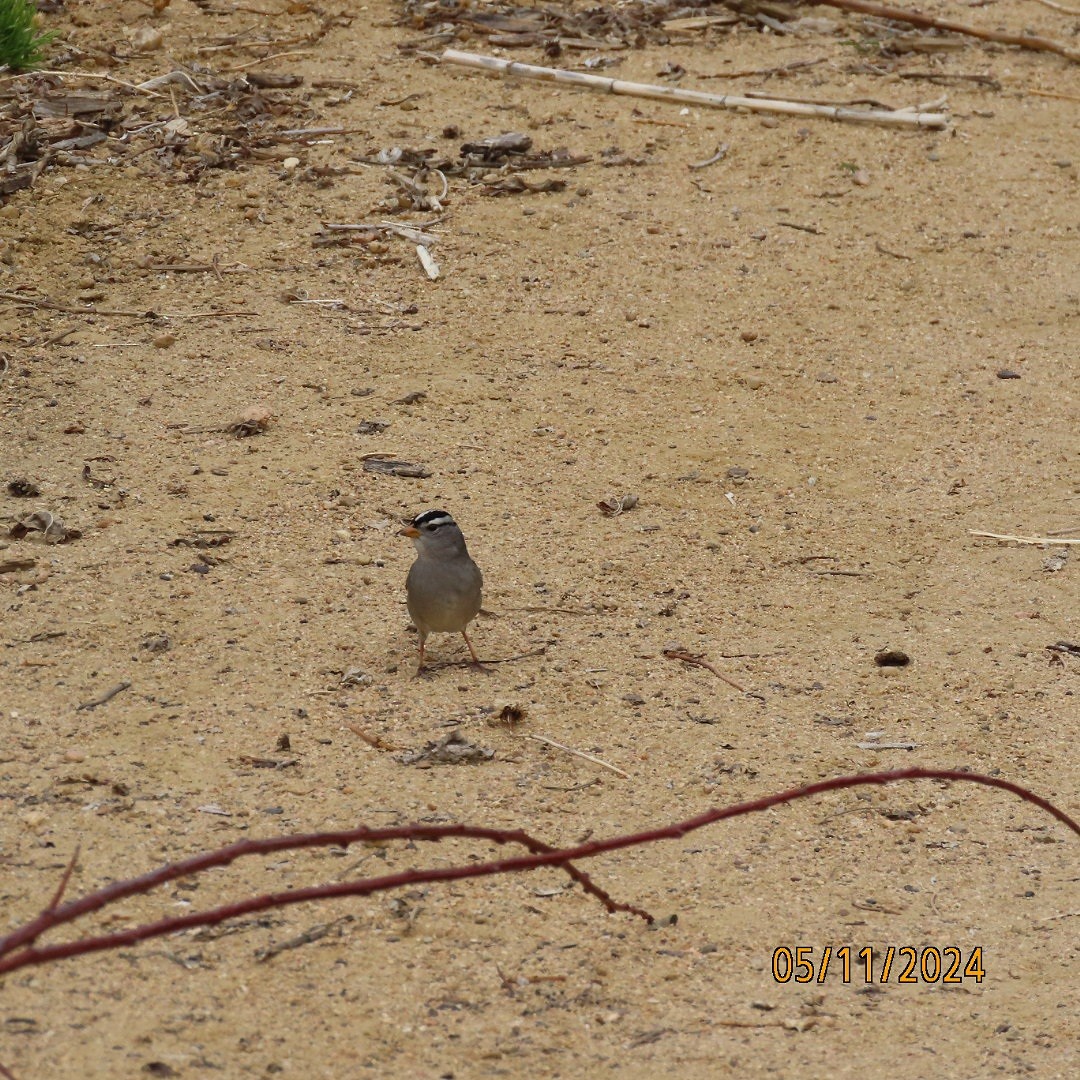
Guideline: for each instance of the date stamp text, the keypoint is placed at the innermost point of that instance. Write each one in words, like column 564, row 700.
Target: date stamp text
column 904, row 964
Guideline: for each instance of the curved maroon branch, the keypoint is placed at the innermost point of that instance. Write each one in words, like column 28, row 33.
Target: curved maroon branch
column 55, row 915
column 542, row 855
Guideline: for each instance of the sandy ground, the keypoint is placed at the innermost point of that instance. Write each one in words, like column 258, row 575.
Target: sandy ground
column 813, row 420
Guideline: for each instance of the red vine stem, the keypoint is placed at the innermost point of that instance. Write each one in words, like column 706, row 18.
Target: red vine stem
column 75, row 909
column 541, row 855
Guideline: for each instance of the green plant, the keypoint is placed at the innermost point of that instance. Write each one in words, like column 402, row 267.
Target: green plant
column 20, row 43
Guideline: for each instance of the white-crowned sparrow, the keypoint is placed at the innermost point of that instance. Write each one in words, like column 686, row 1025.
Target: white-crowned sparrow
column 443, row 586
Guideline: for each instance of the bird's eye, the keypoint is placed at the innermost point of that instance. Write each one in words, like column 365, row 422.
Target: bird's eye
column 431, row 521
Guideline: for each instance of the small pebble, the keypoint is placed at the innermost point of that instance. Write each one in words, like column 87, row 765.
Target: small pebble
column 892, row 658
column 147, row 38
column 1005, row 373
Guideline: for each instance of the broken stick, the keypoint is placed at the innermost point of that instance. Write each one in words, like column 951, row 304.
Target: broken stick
column 1002, row 37
column 700, row 661
column 105, row 698
column 693, row 97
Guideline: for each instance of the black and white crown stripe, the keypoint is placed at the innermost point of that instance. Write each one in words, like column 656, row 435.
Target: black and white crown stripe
column 432, row 520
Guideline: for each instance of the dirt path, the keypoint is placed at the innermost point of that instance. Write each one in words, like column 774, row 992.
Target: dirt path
column 818, row 363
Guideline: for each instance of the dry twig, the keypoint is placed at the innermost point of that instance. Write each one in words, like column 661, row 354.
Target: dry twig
column 1004, row 37
column 721, row 153
column 698, row 661
column 577, row 753
column 896, row 118
column 50, row 305
column 1039, row 540
column 105, row 698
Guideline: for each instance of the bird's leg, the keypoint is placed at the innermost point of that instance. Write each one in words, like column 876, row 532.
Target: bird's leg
column 423, row 641
column 472, row 651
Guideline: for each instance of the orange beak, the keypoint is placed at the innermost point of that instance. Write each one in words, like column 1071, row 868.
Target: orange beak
column 410, row 531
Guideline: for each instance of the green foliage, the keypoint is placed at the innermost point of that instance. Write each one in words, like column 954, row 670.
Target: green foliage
column 20, row 43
